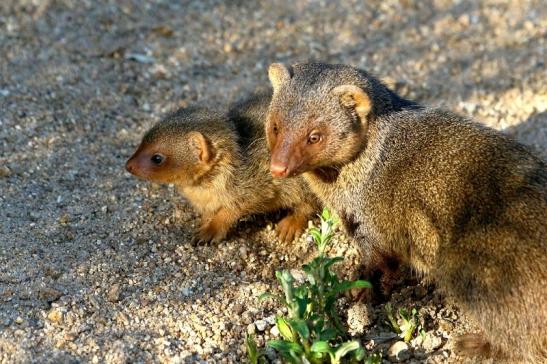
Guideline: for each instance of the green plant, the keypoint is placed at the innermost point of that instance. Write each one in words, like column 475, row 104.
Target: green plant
column 312, row 332
column 406, row 325
column 375, row 358
column 254, row 355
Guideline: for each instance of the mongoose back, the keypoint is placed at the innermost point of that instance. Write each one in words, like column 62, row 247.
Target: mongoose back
column 460, row 203
column 220, row 163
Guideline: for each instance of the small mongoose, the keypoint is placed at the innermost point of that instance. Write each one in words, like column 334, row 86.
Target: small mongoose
column 220, row 163
column 459, row 202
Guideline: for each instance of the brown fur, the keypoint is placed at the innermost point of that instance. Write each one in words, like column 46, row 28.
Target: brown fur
column 220, row 164
column 460, row 203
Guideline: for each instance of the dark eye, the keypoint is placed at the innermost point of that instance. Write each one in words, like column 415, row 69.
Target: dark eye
column 275, row 129
column 157, row 159
column 314, row 138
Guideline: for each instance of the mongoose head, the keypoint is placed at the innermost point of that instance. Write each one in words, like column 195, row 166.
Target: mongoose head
column 183, row 148
column 319, row 115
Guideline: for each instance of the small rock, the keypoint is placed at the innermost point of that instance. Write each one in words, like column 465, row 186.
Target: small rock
column 270, row 320
column 251, row 329
column 70, row 336
column 382, row 337
column 238, row 309
column 431, row 342
column 358, row 318
column 398, row 352
column 261, row 325
column 445, row 326
column 274, row 331
column 49, row 294
column 299, row 276
column 55, row 315
column 5, row 171
column 420, row 292
column 19, row 320
column 141, row 58
column 113, row 294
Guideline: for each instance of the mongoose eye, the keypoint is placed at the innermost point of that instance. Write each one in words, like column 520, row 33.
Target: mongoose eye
column 314, row 138
column 157, row 159
column 275, row 129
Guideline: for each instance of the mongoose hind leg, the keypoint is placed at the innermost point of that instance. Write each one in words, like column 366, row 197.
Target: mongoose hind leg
column 473, row 345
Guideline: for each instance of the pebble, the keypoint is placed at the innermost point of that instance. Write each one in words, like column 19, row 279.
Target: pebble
column 5, row 171
column 399, row 352
column 113, row 294
column 49, row 294
column 420, row 291
column 55, row 315
column 358, row 318
column 431, row 342
column 261, row 325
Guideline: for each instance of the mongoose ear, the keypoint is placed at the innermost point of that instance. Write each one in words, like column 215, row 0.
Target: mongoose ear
column 354, row 97
column 203, row 148
column 278, row 74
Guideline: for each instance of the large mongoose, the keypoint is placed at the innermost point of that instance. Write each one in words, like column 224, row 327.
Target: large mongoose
column 461, row 203
column 220, row 163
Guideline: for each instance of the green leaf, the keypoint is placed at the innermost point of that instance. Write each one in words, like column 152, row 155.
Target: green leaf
column 404, row 314
column 375, row 358
column 331, row 261
column 327, row 334
column 391, row 318
column 321, row 347
column 345, row 285
column 285, row 346
column 316, row 235
column 301, row 327
column 345, row 348
column 284, row 329
column 302, row 304
column 325, row 214
column 252, row 350
column 359, row 354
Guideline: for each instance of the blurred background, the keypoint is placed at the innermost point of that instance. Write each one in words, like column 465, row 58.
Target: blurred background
column 95, row 265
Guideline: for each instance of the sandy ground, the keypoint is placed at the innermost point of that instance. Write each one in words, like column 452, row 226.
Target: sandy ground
column 96, row 266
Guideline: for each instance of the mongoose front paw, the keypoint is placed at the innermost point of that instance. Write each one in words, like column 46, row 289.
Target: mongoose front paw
column 216, row 228
column 211, row 233
column 290, row 227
